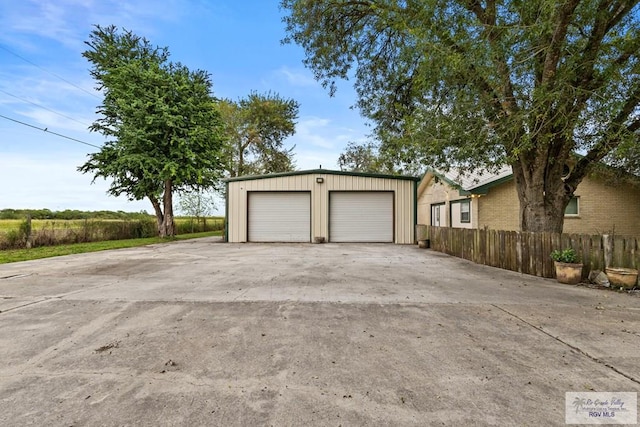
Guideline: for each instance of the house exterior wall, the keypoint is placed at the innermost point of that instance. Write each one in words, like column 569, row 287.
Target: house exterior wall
column 436, row 193
column 456, row 213
column 603, row 207
column 606, row 208
column 499, row 208
column 440, row 193
column 403, row 189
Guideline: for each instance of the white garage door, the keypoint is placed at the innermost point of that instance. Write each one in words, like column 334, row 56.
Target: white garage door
column 361, row 217
column 279, row 217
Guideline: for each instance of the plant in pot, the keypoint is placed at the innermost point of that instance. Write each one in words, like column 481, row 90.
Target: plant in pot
column 568, row 266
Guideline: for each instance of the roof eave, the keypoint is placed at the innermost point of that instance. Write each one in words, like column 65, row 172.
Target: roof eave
column 321, row 171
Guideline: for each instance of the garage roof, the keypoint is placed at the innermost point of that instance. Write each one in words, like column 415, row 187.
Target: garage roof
column 322, row 171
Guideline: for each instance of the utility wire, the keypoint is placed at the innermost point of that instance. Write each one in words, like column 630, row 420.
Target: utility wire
column 43, row 107
column 51, row 132
column 49, row 72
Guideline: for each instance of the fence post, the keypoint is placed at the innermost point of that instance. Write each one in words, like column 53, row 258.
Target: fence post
column 519, row 251
column 607, row 244
column 27, row 232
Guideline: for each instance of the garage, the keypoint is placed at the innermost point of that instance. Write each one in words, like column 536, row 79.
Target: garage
column 321, row 206
column 361, row 217
column 283, row 216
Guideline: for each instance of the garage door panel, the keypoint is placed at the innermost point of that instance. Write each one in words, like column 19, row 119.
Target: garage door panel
column 361, row 216
column 279, row 217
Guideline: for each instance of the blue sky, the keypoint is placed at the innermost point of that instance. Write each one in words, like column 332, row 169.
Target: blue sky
column 237, row 42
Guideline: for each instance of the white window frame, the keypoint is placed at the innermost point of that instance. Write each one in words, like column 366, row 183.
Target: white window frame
column 466, row 203
column 573, row 215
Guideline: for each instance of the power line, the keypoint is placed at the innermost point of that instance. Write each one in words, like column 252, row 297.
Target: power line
column 51, row 132
column 49, row 72
column 43, row 107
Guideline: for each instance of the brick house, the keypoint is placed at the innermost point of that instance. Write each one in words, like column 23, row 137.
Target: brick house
column 490, row 200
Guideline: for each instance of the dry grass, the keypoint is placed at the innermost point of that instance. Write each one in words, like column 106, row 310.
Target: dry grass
column 14, row 235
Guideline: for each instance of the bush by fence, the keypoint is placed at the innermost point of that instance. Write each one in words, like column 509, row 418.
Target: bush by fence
column 53, row 233
column 529, row 253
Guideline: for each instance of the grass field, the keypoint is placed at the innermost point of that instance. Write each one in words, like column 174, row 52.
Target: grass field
column 16, row 255
column 14, row 235
column 39, row 224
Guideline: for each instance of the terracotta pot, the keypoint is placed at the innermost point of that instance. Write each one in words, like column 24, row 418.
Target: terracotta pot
column 626, row 277
column 570, row 274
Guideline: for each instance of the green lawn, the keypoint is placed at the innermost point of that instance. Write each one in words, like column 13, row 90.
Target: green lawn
column 16, row 255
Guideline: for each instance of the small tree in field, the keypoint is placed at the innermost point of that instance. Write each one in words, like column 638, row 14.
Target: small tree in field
column 197, row 204
column 163, row 126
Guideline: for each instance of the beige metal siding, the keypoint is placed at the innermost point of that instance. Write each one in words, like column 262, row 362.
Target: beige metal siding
column 403, row 200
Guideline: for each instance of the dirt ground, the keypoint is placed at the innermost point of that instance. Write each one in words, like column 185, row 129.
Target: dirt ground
column 205, row 333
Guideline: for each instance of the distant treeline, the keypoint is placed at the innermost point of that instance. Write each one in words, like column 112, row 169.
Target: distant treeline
column 70, row 214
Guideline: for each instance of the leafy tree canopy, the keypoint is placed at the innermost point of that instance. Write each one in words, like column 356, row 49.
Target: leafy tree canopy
column 477, row 84
column 163, row 126
column 366, row 157
column 256, row 127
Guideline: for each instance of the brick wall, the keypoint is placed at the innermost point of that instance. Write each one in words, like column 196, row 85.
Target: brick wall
column 498, row 210
column 605, row 208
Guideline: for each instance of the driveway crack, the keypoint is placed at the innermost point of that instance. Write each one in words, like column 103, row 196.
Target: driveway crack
column 571, row 346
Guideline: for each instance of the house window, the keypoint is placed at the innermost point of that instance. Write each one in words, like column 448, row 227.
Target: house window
column 465, row 211
column 573, row 208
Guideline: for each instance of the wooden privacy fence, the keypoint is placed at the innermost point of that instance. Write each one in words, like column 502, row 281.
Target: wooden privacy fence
column 529, row 253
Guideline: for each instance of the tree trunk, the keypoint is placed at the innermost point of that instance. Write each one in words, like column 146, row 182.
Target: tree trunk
column 159, row 215
column 542, row 193
column 168, row 227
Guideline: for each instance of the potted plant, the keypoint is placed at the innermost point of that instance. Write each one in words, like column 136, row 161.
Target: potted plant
column 568, row 266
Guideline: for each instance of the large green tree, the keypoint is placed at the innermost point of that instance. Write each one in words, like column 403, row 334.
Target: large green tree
column 163, row 126
column 255, row 129
column 477, row 84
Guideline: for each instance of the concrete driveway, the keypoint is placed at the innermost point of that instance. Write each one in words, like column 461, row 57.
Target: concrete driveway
column 204, row 333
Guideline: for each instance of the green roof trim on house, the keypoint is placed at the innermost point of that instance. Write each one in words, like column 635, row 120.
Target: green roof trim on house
column 471, row 188
column 484, row 189
column 322, row 171
column 438, row 175
column 448, row 181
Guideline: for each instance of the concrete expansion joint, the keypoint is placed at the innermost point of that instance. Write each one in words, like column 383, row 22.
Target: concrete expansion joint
column 18, row 307
column 573, row 347
column 15, row 276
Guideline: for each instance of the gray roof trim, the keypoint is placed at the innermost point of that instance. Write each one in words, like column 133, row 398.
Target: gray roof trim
column 475, row 183
column 324, row 172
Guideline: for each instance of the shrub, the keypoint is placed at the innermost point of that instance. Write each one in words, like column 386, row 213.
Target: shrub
column 567, row 255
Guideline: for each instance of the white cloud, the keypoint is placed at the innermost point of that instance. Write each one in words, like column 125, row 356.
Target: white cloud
column 68, row 21
column 319, row 142
column 48, row 103
column 312, row 131
column 53, row 121
column 297, row 77
column 54, row 183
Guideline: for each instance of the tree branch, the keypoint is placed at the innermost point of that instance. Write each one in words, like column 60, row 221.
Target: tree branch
column 608, row 143
column 556, row 42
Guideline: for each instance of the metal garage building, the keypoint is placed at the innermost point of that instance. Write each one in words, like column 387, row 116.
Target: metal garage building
column 333, row 206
